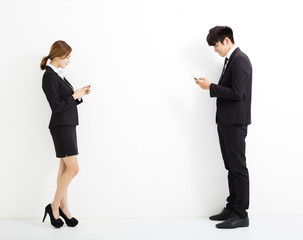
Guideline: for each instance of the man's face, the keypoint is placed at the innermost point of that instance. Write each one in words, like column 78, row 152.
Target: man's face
column 221, row 49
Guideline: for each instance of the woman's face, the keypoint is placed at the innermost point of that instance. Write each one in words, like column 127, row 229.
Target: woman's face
column 63, row 62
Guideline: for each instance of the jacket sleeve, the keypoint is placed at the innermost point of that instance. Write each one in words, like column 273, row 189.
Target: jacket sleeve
column 241, row 70
column 51, row 89
column 78, row 101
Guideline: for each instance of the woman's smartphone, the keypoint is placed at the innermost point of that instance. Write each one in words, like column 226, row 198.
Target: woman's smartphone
column 87, row 86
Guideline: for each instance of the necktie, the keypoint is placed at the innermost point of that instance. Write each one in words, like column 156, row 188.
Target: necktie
column 225, row 64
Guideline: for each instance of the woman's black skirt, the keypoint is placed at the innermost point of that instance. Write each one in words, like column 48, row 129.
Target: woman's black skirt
column 65, row 141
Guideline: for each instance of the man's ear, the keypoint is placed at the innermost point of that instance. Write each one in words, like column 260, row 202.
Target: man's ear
column 226, row 41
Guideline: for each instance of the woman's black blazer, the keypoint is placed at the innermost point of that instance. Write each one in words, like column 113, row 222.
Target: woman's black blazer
column 59, row 93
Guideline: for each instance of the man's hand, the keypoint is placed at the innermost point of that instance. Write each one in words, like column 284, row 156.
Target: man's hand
column 203, row 83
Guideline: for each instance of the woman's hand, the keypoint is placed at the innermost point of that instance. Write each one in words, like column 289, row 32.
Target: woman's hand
column 79, row 93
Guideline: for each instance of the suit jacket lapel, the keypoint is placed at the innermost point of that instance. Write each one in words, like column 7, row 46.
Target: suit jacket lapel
column 62, row 80
column 229, row 61
column 231, row 57
column 68, row 84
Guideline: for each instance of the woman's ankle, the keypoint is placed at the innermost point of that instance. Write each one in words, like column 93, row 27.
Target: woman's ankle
column 55, row 210
column 66, row 211
column 55, row 206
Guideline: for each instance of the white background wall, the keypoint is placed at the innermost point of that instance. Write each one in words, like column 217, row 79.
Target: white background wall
column 147, row 138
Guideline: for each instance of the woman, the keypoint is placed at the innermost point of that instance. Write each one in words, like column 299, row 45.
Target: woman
column 63, row 101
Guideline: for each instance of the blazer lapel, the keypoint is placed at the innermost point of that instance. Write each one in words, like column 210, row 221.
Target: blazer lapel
column 229, row 61
column 67, row 83
column 231, row 57
column 62, row 80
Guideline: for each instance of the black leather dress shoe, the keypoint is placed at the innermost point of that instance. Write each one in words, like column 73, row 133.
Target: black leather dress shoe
column 234, row 222
column 224, row 215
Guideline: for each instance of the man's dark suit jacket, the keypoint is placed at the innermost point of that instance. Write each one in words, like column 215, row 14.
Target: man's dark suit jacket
column 233, row 91
column 59, row 93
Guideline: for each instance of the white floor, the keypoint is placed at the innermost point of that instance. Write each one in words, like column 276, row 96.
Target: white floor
column 261, row 227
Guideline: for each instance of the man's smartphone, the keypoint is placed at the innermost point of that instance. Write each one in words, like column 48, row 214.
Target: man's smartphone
column 195, row 77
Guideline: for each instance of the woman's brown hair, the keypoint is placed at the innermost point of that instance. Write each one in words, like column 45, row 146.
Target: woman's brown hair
column 59, row 49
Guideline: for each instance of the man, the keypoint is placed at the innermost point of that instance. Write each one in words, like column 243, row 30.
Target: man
column 233, row 115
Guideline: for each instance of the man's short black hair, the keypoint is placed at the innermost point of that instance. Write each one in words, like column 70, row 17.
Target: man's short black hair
column 218, row 34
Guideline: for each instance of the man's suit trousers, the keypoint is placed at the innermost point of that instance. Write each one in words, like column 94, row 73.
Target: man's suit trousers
column 232, row 143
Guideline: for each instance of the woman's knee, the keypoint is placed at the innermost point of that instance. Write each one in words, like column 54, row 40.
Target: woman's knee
column 74, row 170
column 72, row 165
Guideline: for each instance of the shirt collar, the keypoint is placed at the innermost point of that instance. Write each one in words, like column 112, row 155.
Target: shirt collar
column 229, row 53
column 59, row 70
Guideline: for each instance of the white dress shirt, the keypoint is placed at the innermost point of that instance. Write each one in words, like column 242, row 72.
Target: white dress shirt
column 59, row 70
column 230, row 52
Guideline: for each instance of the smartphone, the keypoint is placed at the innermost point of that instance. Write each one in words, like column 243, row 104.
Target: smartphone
column 87, row 86
column 195, row 77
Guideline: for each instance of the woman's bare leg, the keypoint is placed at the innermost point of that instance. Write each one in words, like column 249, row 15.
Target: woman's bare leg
column 63, row 203
column 68, row 169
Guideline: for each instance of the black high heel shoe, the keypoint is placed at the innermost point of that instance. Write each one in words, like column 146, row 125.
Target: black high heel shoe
column 69, row 222
column 57, row 223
